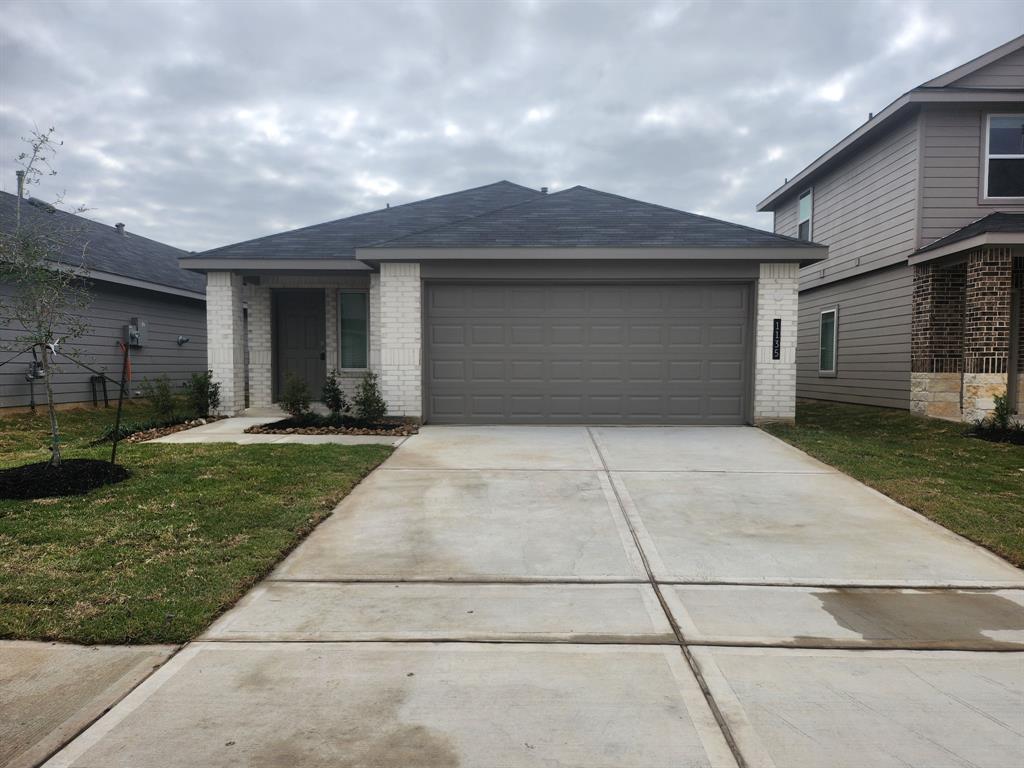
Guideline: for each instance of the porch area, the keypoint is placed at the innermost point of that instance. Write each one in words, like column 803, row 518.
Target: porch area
column 267, row 326
column 966, row 333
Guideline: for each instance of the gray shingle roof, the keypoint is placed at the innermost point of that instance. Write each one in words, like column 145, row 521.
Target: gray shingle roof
column 105, row 251
column 339, row 239
column 580, row 217
column 994, row 222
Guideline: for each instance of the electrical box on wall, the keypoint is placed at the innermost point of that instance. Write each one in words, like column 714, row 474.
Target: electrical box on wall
column 135, row 332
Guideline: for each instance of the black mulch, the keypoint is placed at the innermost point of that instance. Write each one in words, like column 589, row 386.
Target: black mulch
column 72, row 477
column 1014, row 435
column 315, row 424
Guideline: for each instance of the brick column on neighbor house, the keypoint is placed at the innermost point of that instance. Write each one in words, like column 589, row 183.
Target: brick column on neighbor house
column 261, row 382
column 775, row 380
column 986, row 328
column 937, row 340
column 400, row 338
column 225, row 334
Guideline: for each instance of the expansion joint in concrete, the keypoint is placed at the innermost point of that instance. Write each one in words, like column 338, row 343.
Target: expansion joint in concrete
column 705, row 690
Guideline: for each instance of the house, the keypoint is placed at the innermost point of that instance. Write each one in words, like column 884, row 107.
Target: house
column 503, row 304
column 922, row 208
column 132, row 280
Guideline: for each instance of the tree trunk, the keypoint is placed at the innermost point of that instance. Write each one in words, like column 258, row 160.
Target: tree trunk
column 54, row 431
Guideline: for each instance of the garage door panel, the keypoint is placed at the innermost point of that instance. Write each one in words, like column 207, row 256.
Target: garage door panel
column 587, row 353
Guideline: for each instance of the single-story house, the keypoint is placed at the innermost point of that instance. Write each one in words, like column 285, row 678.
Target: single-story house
column 132, row 280
column 504, row 304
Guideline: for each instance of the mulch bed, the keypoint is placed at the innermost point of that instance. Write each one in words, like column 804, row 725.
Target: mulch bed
column 321, row 425
column 71, row 478
column 1015, row 436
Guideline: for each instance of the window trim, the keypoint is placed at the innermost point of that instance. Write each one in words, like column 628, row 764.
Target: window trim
column 829, row 373
column 810, row 216
column 342, row 292
column 986, row 157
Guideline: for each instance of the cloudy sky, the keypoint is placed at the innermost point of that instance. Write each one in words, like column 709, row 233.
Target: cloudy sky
column 206, row 123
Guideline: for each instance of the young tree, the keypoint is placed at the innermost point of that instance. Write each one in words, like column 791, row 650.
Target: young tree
column 43, row 259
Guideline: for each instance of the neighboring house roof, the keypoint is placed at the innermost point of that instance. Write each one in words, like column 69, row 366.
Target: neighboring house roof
column 580, row 217
column 996, row 228
column 109, row 255
column 943, row 88
column 337, row 240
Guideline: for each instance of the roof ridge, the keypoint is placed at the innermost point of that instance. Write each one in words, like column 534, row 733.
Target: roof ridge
column 81, row 215
column 541, row 197
column 364, row 214
column 795, row 240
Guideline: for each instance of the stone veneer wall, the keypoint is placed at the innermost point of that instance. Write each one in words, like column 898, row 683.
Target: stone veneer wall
column 775, row 380
column 936, row 347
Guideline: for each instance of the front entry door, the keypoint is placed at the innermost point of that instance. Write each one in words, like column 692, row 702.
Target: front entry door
column 300, row 339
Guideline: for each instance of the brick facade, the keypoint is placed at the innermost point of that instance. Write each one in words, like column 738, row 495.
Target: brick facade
column 987, row 320
column 225, row 348
column 400, row 338
column 775, row 380
column 937, row 324
column 960, row 338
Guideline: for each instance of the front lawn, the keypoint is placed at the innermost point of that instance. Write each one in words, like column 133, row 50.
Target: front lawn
column 154, row 559
column 972, row 487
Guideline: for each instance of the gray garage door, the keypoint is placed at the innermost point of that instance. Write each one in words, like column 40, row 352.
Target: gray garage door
column 587, row 353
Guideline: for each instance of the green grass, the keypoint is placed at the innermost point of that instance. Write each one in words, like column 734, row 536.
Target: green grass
column 156, row 558
column 972, row 487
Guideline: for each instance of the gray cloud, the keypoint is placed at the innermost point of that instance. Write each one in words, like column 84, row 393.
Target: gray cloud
column 206, row 123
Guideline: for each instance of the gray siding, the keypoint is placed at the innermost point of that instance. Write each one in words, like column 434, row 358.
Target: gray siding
column 1008, row 72
column 865, row 210
column 952, row 168
column 873, row 340
column 166, row 317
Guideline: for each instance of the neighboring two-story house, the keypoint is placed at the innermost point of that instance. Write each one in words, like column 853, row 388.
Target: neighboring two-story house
column 919, row 303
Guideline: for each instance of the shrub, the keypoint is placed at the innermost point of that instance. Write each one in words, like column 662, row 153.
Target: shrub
column 158, row 393
column 1001, row 413
column 369, row 403
column 203, row 394
column 334, row 396
column 295, row 396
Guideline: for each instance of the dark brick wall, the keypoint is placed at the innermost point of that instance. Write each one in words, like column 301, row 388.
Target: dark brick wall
column 937, row 327
column 987, row 320
column 1018, row 285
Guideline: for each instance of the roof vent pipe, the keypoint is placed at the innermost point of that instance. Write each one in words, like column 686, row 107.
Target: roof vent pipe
column 21, row 183
column 120, row 228
column 543, row 190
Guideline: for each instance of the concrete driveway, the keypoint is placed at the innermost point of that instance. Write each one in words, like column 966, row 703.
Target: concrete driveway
column 604, row 597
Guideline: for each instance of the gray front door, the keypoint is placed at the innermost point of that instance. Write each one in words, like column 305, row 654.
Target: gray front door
column 587, row 353
column 299, row 337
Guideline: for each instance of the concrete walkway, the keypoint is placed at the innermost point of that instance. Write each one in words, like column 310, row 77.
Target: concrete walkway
column 232, row 430
column 600, row 598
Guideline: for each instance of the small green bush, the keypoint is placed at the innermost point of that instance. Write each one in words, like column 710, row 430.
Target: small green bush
column 334, row 395
column 161, row 398
column 295, row 396
column 202, row 394
column 369, row 403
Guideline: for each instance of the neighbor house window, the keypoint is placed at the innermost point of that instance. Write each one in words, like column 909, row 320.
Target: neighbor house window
column 354, row 322
column 1004, row 161
column 827, row 342
column 805, row 209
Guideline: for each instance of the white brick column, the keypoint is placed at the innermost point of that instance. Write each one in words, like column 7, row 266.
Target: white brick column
column 225, row 339
column 400, row 342
column 775, row 380
column 260, row 362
